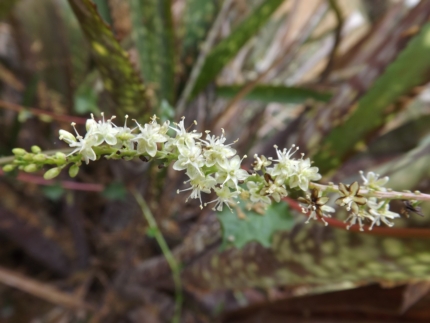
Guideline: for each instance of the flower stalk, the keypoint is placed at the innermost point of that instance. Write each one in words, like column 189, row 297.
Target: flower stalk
column 212, row 166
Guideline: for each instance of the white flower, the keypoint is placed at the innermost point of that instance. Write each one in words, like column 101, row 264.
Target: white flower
column 359, row 217
column 255, row 191
column 182, row 136
column 285, row 166
column 225, row 196
column 200, row 184
column 124, row 135
column 304, row 173
column 261, row 162
column 315, row 205
column 150, row 134
column 83, row 146
column 230, row 171
column 191, row 159
column 373, row 182
column 102, row 131
column 215, row 151
column 381, row 212
column 275, row 189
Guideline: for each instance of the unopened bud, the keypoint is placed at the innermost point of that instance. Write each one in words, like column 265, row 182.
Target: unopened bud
column 36, row 149
column 8, row 168
column 18, row 151
column 73, row 170
column 39, row 158
column 60, row 156
column 52, row 173
column 30, row 168
column 28, row 157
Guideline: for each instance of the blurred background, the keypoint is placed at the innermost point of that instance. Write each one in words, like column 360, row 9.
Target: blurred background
column 345, row 80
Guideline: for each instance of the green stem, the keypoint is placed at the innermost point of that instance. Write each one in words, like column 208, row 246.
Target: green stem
column 9, row 159
column 173, row 264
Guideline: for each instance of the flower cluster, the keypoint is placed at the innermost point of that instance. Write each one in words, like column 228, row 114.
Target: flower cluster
column 212, row 166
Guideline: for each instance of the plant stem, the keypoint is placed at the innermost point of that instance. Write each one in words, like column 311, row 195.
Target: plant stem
column 391, row 195
column 173, row 264
column 9, row 159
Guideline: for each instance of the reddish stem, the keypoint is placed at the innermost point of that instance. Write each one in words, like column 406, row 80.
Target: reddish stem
column 40, row 112
column 88, row 187
column 387, row 232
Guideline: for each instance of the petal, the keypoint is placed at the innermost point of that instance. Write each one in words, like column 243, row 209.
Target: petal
column 322, row 200
column 343, row 189
column 111, row 139
column 353, row 188
column 151, row 148
column 360, row 199
column 340, row 201
column 354, row 208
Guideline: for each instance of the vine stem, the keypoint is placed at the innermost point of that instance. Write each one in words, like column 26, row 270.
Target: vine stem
column 173, row 264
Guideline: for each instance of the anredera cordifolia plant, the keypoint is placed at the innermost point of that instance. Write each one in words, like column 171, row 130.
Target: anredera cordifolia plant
column 213, row 166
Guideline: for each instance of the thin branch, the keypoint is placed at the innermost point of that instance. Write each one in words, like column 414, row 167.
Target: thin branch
column 173, row 264
column 42, row 290
column 43, row 113
column 385, row 232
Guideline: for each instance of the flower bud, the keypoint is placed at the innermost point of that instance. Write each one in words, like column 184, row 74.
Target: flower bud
column 18, row 151
column 73, row 170
column 30, row 168
column 52, row 173
column 66, row 136
column 60, row 156
column 90, row 124
column 35, row 149
column 8, row 168
column 28, row 157
column 39, row 158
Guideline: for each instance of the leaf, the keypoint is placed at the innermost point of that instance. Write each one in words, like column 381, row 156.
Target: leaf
column 119, row 76
column 275, row 93
column 230, row 46
column 239, row 231
column 410, row 69
column 153, row 34
column 115, row 191
column 53, row 192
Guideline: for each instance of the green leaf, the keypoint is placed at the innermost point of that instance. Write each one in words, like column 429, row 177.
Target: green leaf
column 254, row 227
column 53, row 192
column 410, row 69
column 115, row 191
column 230, row 46
column 275, row 93
column 153, row 34
column 119, row 77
